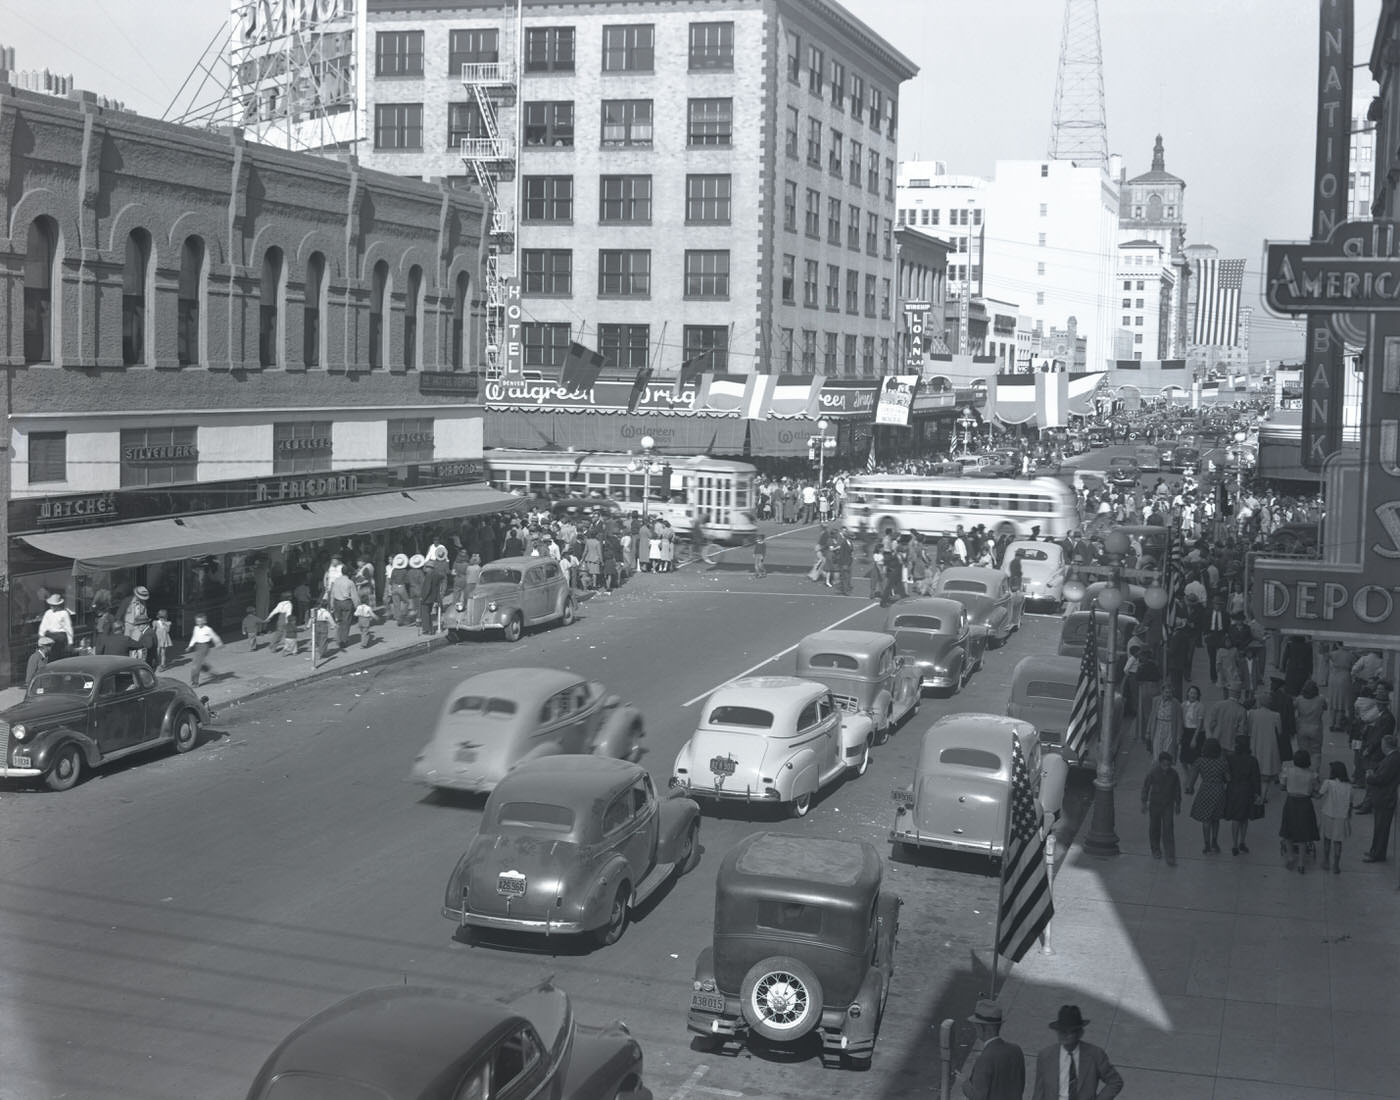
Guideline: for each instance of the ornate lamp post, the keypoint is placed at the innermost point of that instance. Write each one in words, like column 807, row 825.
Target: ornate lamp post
column 1103, row 829
column 647, row 444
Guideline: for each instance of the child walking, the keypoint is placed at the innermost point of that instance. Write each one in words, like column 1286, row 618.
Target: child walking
column 760, row 556
column 284, row 631
column 365, row 614
column 251, row 625
column 163, row 642
column 202, row 640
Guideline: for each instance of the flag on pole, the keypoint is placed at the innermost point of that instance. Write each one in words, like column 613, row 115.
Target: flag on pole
column 1085, row 718
column 1026, row 906
column 582, row 365
column 1218, row 285
column 691, row 369
column 639, row 387
column 1175, row 579
column 758, row 396
column 870, row 463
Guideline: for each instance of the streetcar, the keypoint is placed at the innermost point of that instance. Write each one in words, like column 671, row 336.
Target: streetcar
column 939, row 505
column 679, row 489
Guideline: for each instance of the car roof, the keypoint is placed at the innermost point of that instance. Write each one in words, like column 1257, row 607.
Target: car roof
column 1046, row 666
column 398, row 1039
column 927, row 605
column 95, row 666
column 572, row 779
column 525, row 684
column 971, row 573
column 982, row 731
column 799, row 867
column 779, row 692
column 857, row 643
column 517, row 563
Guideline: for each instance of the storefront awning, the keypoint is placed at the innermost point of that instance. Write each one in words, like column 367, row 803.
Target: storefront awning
column 194, row 536
column 674, row 434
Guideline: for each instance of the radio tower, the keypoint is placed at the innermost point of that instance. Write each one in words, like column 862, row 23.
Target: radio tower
column 1079, row 131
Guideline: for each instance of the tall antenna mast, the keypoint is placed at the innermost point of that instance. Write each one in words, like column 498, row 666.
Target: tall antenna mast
column 1079, row 128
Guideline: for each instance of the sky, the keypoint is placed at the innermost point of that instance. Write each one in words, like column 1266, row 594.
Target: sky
column 1229, row 84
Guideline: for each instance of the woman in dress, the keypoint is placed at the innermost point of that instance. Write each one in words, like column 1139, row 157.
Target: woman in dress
column 1339, row 697
column 1264, row 728
column 1298, row 826
column 1243, row 791
column 1192, row 719
column 1334, row 814
column 1164, row 725
column 1229, row 668
column 1307, row 717
column 1208, row 778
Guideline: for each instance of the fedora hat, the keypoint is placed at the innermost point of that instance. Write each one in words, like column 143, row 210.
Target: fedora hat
column 55, row 600
column 142, row 592
column 1069, row 1019
column 400, row 561
column 988, row 1012
column 416, row 562
column 46, row 641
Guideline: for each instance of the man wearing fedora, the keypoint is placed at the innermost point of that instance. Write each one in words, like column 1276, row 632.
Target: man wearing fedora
column 1072, row 1069
column 136, row 624
column 999, row 1073
column 57, row 626
column 38, row 660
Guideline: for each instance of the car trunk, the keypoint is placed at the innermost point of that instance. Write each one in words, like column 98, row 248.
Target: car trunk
column 729, row 762
column 964, row 809
column 518, row 877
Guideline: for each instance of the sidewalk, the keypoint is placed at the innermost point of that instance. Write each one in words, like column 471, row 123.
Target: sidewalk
column 1225, row 977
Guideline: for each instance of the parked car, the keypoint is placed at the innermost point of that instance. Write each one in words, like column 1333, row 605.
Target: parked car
column 1074, row 632
column 83, row 713
column 1100, row 436
column 772, row 740
column 490, row 722
column 406, row 1042
column 1042, row 568
column 1122, row 472
column 1185, row 459
column 992, row 604
column 1042, row 693
column 571, row 845
column 937, row 635
column 988, row 465
column 865, row 673
column 511, row 595
column 804, row 941
column 960, row 795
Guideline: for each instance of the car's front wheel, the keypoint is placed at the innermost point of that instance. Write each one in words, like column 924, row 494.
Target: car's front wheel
column 514, row 628
column 66, row 769
column 691, row 858
column 566, row 618
column 186, row 731
column 864, row 765
column 611, row 932
column 801, row 805
column 781, row 998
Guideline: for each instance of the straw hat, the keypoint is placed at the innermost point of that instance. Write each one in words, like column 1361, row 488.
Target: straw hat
column 142, row 592
column 416, row 562
column 400, row 561
column 55, row 600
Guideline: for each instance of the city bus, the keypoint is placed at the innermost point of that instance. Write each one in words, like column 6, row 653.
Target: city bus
column 938, row 505
column 675, row 488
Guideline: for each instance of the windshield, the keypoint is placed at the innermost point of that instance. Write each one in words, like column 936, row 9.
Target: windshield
column 76, row 684
column 491, row 575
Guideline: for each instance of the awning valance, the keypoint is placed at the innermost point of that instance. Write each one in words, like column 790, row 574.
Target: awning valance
column 194, row 536
column 675, row 434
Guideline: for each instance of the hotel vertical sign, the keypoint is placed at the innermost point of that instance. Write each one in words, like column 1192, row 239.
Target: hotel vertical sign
column 1324, row 369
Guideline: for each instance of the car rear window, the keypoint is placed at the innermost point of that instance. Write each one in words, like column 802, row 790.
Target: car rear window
column 833, row 660
column 789, row 916
column 752, row 717
column 537, row 815
column 485, row 705
column 1033, row 555
column 966, row 586
column 970, row 758
column 499, row 576
column 1050, row 689
column 917, row 622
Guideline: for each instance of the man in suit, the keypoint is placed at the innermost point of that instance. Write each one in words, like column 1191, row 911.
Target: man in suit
column 999, row 1073
column 1073, row 1069
column 1381, row 786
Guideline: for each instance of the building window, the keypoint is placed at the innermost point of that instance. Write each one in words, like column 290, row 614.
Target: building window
column 857, row 152
column 706, row 273
column 458, row 333
column 629, row 48
column 464, row 122
column 548, row 198
column 872, row 234
column 1044, row 209
column 544, row 345
column 867, row 355
column 1137, row 212
column 809, row 350
column 711, row 46
column 789, row 280
column 1127, row 284
column 549, row 49
column 833, row 221
column 857, row 95
column 885, row 303
column 136, row 278
column 302, row 447
column 816, row 70
column 1127, row 303
column 794, row 58
column 48, row 457
column 550, row 123
column 838, row 85
column 624, row 272
column 811, row 272
column 315, row 299
column 872, row 172
column 626, row 122
column 884, row 354
column 888, row 237
column 274, row 289
column 410, row 440
column 1040, row 268
column 476, row 46
column 1040, row 297
column 398, row 126
column 794, row 120
column 833, row 288
column 1139, row 284
column 1040, row 239
column 547, row 272
column 398, row 53
column 877, row 108
column 853, row 292
column 626, row 347
column 1138, row 304
column 889, row 178
column 1127, row 320
column 1044, row 171
column 707, row 199
column 624, row 199
column 836, row 158
column 40, row 274
column 1137, row 337
column 853, row 227
column 379, row 290
column 787, row 337
column 194, row 285
column 711, row 122
column 1137, row 320
column 934, row 216
column 814, row 142
column 790, row 206
column 829, row 356
column 157, row 456
column 707, row 344
column 849, row 356
column 1171, row 210
column 870, row 295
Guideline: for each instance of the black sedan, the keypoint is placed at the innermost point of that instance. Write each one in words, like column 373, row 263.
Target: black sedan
column 415, row 1043
column 84, row 712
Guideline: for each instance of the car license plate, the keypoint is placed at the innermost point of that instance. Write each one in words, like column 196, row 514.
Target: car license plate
column 20, row 761
column 904, row 798
column 722, row 765
column 707, row 1002
column 510, row 884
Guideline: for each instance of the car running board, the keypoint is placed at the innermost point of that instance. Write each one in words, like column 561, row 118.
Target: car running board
column 649, row 885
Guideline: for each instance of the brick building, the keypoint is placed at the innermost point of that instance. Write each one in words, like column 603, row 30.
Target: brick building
column 219, row 354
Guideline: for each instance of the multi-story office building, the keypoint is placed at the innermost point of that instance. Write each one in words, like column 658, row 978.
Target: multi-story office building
column 1152, row 207
column 1146, row 301
column 711, row 181
column 927, row 198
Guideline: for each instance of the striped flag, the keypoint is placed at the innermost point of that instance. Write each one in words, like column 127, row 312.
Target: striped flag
column 757, row 402
column 870, row 462
column 1218, row 302
column 1026, row 906
column 1176, row 578
column 1085, row 716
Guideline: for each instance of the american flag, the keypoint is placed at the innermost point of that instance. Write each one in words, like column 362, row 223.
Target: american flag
column 1026, row 906
column 1084, row 715
column 870, row 458
column 1176, row 578
column 1218, row 302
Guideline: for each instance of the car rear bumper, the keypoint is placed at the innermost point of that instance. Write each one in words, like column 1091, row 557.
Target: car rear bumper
column 951, row 844
column 514, row 924
column 724, row 794
column 833, row 1027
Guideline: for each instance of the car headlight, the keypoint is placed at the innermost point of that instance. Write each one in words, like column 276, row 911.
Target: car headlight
column 491, row 607
column 19, row 732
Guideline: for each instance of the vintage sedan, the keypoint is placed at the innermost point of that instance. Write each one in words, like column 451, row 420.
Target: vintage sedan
column 571, row 845
column 1074, row 632
column 84, row 712
column 865, row 674
column 937, row 635
column 992, row 604
column 490, row 722
column 1042, row 568
column 406, row 1042
column 1042, row 693
column 511, row 595
column 804, row 941
column 1123, row 472
column 960, row 795
column 774, row 741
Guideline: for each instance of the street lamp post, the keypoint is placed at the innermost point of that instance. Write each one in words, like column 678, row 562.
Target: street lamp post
column 647, row 444
column 822, row 425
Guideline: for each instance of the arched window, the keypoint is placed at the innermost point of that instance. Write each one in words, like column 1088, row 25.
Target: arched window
column 1154, row 208
column 189, row 335
column 313, row 342
column 136, row 272
column 40, row 277
column 412, row 318
column 270, row 309
column 459, row 321
column 378, row 307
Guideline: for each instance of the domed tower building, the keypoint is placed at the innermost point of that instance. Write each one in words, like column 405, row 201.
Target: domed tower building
column 1152, row 207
